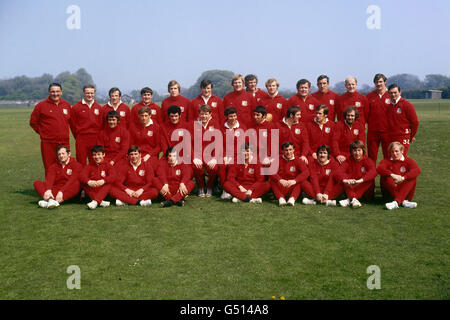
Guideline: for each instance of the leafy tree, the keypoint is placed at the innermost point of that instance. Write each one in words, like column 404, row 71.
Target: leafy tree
column 406, row 81
column 436, row 81
column 221, row 80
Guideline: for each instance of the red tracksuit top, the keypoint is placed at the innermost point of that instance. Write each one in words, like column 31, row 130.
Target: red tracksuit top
column 352, row 169
column 353, row 99
column 102, row 171
column 343, row 136
column 330, row 99
column 197, row 130
column 148, row 139
column 235, row 134
column 294, row 169
column 51, row 121
column 85, row 120
column 264, row 137
column 180, row 101
column 63, row 178
column 307, row 107
column 402, row 119
column 124, row 112
column 297, row 134
column 141, row 177
column 322, row 176
column 407, row 168
column 377, row 114
column 320, row 136
column 244, row 104
column 115, row 141
column 156, row 113
column 214, row 102
column 275, row 106
column 240, row 175
column 168, row 128
column 259, row 96
column 173, row 176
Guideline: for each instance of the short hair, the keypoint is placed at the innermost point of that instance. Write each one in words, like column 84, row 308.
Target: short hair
column 97, row 148
column 174, row 109
column 287, row 144
column 357, row 144
column 237, row 77
column 204, row 108
column 324, row 108
column 396, row 143
column 114, row 89
column 379, row 76
column 303, row 81
column 350, row 109
column 270, row 80
column 146, row 90
column 113, row 114
column 323, row 147
column 173, row 83
column 143, row 110
column 62, row 146
column 206, row 82
column 249, row 78
column 394, row 85
column 323, row 76
column 133, row 149
column 351, row 77
column 229, row 110
column 54, row 84
column 170, row 150
column 88, row 86
column 260, row 109
column 292, row 110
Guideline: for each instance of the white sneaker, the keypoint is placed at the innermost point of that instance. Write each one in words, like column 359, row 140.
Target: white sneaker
column 308, row 201
column 52, row 204
column 226, row 196
column 201, row 194
column 146, row 203
column 291, row 202
column 92, row 205
column 392, row 205
column 344, row 203
column 120, row 203
column 208, row 193
column 235, row 200
column 409, row 204
column 281, row 202
column 104, row 204
column 330, row 203
column 355, row 203
column 43, row 204
column 256, row 200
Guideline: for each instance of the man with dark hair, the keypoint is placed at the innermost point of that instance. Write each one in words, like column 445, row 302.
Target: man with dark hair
column 326, row 96
column 263, row 130
column 353, row 98
column 86, row 122
column 146, row 101
column 207, row 97
column 174, row 127
column 251, row 83
column 292, row 129
column 320, row 130
column 61, row 181
column 115, row 104
column 175, row 99
column 243, row 101
column 50, row 119
column 306, row 102
column 274, row 102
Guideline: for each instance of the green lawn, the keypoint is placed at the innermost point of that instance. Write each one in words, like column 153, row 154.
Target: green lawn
column 212, row 249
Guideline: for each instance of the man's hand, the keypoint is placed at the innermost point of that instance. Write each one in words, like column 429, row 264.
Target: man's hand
column 59, row 196
column 182, row 189
column 165, row 190
column 304, row 159
column 341, row 159
column 212, row 163
column 48, row 195
column 198, row 163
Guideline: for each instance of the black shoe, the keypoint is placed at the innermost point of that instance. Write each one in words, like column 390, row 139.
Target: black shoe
column 167, row 203
column 180, row 203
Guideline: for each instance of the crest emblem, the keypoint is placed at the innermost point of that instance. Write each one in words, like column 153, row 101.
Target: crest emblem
column 150, row 133
column 356, row 131
column 117, row 139
column 69, row 172
column 279, row 106
column 182, row 108
column 298, row 131
column 311, row 107
column 213, row 104
column 387, row 101
column 244, row 103
column 180, row 133
column 153, row 111
column 363, row 169
column 331, row 101
column 358, row 104
column 141, row 173
column 103, row 173
column 292, row 169
column 122, row 113
column 251, row 171
column 402, row 169
column 96, row 112
column 237, row 133
column 399, row 110
column 327, row 172
column 65, row 111
column 327, row 130
column 178, row 172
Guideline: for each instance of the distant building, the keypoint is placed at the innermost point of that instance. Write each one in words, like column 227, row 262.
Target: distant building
column 433, row 94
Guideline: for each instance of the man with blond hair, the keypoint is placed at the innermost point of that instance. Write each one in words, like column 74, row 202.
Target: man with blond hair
column 243, row 101
column 352, row 98
column 175, row 99
column 274, row 102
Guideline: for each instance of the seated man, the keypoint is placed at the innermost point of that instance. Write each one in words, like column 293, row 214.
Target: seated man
column 61, row 181
column 244, row 181
column 135, row 182
column 97, row 178
column 174, row 179
column 155, row 110
column 320, row 131
column 398, row 178
column 291, row 176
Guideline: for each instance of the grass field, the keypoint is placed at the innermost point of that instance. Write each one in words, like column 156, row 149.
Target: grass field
column 212, row 249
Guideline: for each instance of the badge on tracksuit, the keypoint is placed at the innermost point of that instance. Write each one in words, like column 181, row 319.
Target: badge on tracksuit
column 178, row 172
column 69, row 172
column 356, row 131
column 141, row 173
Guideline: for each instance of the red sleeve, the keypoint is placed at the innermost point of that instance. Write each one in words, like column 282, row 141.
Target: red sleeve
column 413, row 169
column 383, row 168
column 161, row 176
column 124, row 145
column 76, row 170
column 335, row 140
column 84, row 175
column 72, row 121
column 34, row 118
column 413, row 120
column 186, row 174
column 371, row 173
column 341, row 173
column 50, row 177
column 304, row 174
column 111, row 175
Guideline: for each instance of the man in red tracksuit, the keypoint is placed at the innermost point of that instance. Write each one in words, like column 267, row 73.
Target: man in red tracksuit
column 291, row 176
column 398, row 178
column 402, row 119
column 240, row 99
column 320, row 130
column 115, row 139
column 174, row 179
column 326, row 96
column 208, row 98
column 61, row 181
column 292, row 129
column 115, row 104
column 175, row 131
column 245, row 181
column 97, row 178
column 155, row 110
column 86, row 122
column 378, row 104
column 251, row 82
column 135, row 183
column 274, row 102
column 306, row 102
column 345, row 132
column 175, row 99
column 353, row 98
column 50, row 119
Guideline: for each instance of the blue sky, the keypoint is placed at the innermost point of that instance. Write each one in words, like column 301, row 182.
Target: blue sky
column 132, row 44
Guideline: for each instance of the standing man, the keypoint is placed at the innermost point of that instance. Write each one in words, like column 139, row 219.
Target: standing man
column 379, row 102
column 115, row 104
column 155, row 110
column 326, row 96
column 50, row 119
column 251, row 82
column 402, row 119
column 175, row 99
column 241, row 100
column 353, row 98
column 208, row 98
column 274, row 102
column 85, row 123
column 304, row 101
column 320, row 130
